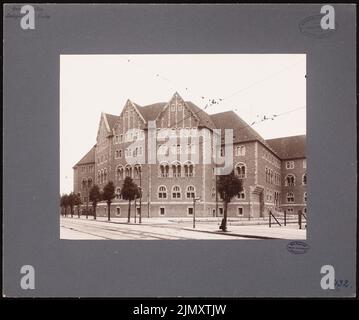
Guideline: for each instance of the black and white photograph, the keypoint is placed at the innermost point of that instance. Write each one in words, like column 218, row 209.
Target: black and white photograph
column 183, row 147
column 227, row 131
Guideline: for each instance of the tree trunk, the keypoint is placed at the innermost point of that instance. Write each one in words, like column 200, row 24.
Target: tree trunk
column 72, row 212
column 94, row 212
column 224, row 220
column 108, row 211
column 129, row 211
column 78, row 211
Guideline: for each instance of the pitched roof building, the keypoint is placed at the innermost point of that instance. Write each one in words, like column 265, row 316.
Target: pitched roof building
column 273, row 171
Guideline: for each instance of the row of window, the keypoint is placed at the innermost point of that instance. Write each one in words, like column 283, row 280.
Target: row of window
column 86, row 184
column 290, row 197
column 273, row 197
column 129, row 136
column 291, row 164
column 289, row 180
column 176, row 170
column 102, row 176
column 128, row 171
column 89, row 168
column 272, row 177
column 162, row 211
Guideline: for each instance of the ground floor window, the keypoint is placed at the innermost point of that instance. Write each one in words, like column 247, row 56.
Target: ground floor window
column 290, row 211
column 240, row 211
column 190, row 211
column 305, row 210
column 162, row 211
column 118, row 211
column 220, row 211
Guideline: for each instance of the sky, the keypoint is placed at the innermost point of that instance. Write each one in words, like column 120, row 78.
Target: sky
column 252, row 85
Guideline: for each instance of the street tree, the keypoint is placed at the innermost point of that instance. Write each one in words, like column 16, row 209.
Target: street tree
column 228, row 186
column 78, row 202
column 108, row 195
column 130, row 192
column 95, row 197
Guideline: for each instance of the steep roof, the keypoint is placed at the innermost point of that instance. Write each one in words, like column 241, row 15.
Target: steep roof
column 89, row 157
column 150, row 112
column 205, row 119
column 241, row 130
column 289, row 147
column 111, row 119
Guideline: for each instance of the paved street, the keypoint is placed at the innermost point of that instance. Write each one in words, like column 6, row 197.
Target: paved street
column 74, row 228
column 167, row 229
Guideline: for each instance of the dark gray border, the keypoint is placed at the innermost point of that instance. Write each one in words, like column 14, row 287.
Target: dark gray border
column 175, row 268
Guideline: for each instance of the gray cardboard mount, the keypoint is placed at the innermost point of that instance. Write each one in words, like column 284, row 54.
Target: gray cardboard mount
column 263, row 268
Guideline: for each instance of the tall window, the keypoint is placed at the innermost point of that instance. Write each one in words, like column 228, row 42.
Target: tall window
column 164, row 170
column 119, row 173
column 289, row 180
column 188, row 169
column 176, row 170
column 304, row 179
column 240, row 170
column 191, row 192
column 118, row 193
column 176, row 192
column 162, row 192
column 290, row 197
column 305, row 197
column 137, row 171
column 128, row 171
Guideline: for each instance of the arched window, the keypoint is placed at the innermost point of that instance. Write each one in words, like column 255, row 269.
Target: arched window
column 188, row 169
column 241, row 170
column 162, row 192
column 137, row 171
column 290, row 197
column 164, row 170
column 304, row 179
column 304, row 197
column 176, row 169
column 289, row 180
column 99, row 176
column 176, row 192
column 119, row 172
column 89, row 183
column 118, row 193
column 128, row 171
column 190, row 192
column 84, row 183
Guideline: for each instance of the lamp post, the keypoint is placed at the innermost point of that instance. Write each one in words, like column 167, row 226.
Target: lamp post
column 194, row 210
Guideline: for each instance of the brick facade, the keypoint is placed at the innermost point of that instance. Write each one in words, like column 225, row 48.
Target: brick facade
column 168, row 192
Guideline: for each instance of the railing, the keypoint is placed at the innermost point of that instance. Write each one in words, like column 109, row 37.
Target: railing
column 300, row 215
column 270, row 219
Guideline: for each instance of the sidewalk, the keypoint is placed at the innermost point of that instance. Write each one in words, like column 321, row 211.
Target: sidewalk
column 256, row 231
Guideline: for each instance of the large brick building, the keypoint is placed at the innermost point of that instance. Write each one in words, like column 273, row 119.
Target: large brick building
column 273, row 171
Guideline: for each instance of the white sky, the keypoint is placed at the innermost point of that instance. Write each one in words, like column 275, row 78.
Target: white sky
column 251, row 85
